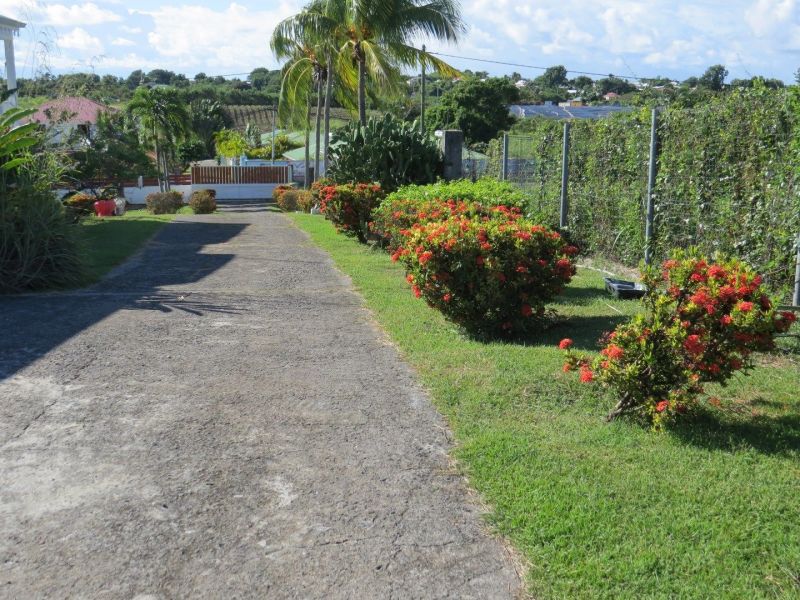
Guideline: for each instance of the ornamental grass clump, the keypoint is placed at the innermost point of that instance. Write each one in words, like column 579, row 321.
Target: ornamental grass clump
column 349, row 207
column 703, row 322
column 492, row 276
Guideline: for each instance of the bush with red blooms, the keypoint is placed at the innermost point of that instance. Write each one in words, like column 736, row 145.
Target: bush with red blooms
column 349, row 206
column 703, row 322
column 279, row 190
column 492, row 276
column 396, row 215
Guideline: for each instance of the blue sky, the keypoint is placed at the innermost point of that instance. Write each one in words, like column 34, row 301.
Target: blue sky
column 625, row 37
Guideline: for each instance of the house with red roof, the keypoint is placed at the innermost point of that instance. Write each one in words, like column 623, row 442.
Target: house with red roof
column 70, row 115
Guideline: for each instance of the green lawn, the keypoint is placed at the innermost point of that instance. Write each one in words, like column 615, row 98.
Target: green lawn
column 707, row 509
column 106, row 242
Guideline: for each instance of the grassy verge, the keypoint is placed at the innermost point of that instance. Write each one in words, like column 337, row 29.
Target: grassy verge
column 106, row 242
column 706, row 509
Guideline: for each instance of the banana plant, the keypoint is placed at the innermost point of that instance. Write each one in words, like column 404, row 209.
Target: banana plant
column 15, row 137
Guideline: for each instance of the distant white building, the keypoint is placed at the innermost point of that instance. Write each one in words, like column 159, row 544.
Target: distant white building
column 8, row 29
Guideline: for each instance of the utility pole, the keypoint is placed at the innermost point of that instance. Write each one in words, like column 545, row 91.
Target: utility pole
column 273, row 135
column 422, row 99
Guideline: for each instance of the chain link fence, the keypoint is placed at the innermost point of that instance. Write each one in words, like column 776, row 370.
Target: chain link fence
column 726, row 180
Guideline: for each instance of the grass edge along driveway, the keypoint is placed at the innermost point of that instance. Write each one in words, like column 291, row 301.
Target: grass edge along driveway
column 106, row 242
column 707, row 509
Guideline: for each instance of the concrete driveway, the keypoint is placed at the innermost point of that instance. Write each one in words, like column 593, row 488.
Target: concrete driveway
column 220, row 418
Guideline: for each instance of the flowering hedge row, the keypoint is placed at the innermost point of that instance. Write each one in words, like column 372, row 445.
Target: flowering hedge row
column 396, row 214
column 702, row 324
column 348, row 206
column 490, row 275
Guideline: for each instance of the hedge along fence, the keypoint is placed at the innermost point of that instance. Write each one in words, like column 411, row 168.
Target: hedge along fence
column 728, row 179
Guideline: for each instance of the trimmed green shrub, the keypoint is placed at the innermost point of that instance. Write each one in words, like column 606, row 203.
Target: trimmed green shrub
column 305, row 201
column 162, row 203
column 387, row 151
column 287, row 199
column 703, row 322
column 203, row 202
column 491, row 276
column 280, row 189
column 487, row 191
column 349, row 207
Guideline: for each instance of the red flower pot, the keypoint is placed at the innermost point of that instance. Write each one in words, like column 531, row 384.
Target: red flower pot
column 104, row 208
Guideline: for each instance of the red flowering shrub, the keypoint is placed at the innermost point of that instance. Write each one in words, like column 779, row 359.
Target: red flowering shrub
column 349, row 206
column 702, row 324
column 317, row 186
column 279, row 190
column 395, row 215
column 491, row 276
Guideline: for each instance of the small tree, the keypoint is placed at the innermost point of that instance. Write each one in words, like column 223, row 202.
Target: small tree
column 230, row 143
column 163, row 121
column 478, row 108
column 714, row 77
column 113, row 153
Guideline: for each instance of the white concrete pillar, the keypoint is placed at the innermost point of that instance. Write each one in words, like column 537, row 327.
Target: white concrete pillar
column 11, row 72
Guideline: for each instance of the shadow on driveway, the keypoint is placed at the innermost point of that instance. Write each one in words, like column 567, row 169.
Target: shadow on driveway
column 34, row 324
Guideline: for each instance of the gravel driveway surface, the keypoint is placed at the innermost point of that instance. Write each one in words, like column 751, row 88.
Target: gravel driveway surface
column 220, row 418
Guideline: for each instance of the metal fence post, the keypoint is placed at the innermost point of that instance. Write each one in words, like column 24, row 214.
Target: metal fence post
column 564, row 177
column 651, row 183
column 796, row 297
column 504, row 166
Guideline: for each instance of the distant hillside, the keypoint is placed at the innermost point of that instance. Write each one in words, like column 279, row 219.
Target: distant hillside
column 239, row 115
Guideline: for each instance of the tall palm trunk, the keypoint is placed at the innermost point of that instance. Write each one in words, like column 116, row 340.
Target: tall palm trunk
column 166, row 170
column 317, row 129
column 328, row 89
column 362, row 85
column 159, row 163
column 306, row 182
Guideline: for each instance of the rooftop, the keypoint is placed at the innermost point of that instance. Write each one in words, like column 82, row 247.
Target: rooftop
column 70, row 110
column 566, row 112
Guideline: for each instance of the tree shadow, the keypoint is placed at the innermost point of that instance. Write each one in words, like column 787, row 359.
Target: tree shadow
column 712, row 430
column 585, row 332
column 582, row 295
column 180, row 254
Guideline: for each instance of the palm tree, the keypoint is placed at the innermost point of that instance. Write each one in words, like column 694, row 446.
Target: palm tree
column 287, row 38
column 163, row 120
column 207, row 119
column 300, row 72
column 373, row 38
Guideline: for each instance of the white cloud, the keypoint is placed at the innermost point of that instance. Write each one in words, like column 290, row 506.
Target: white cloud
column 78, row 14
column 680, row 52
column 766, row 16
column 648, row 37
column 234, row 37
column 80, row 39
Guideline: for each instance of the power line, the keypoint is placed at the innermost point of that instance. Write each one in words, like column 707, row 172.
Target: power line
column 510, row 64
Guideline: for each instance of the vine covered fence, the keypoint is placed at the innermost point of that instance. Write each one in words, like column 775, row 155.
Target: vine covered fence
column 728, row 179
